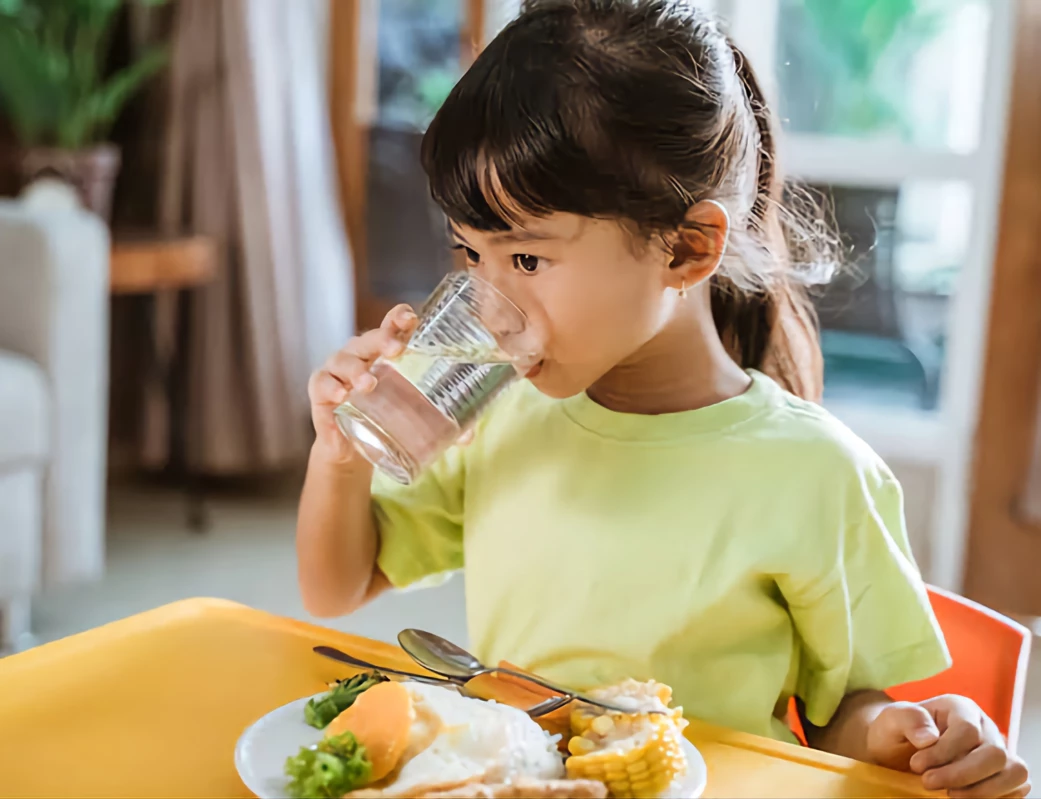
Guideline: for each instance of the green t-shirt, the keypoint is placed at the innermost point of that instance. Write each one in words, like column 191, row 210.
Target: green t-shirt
column 741, row 553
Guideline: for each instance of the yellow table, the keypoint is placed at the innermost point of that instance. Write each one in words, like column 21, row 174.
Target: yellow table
column 152, row 706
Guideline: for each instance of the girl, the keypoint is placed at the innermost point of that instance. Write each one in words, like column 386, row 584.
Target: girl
column 648, row 503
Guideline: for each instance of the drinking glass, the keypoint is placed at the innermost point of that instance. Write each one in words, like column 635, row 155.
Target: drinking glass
column 470, row 344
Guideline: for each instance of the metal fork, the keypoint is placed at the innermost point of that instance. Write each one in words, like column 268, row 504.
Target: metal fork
column 541, row 709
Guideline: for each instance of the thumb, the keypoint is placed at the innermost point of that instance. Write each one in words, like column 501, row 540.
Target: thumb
column 900, row 730
column 911, row 723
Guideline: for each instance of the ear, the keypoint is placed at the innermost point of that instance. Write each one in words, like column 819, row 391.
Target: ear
column 699, row 243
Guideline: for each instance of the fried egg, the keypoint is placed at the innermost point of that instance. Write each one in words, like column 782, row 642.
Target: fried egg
column 456, row 740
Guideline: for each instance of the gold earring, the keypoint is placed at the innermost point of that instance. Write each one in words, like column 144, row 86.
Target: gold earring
column 683, row 290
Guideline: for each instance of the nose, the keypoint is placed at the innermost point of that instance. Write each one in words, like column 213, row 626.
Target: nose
column 502, row 314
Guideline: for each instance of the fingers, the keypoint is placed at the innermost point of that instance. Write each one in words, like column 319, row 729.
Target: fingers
column 348, row 370
column 325, row 389
column 1019, row 793
column 905, row 722
column 401, row 320
column 1011, row 780
column 386, row 341
column 898, row 733
column 979, row 764
column 962, row 736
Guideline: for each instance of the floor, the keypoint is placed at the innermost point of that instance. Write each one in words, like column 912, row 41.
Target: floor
column 248, row 557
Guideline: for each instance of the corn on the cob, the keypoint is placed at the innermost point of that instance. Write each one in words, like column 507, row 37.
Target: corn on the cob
column 635, row 756
column 641, row 696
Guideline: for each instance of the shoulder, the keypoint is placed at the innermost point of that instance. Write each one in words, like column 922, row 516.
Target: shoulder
column 847, row 500
column 821, row 469
column 818, row 443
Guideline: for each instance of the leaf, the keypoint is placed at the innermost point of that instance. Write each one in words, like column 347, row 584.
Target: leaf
column 11, row 8
column 32, row 84
column 320, row 711
column 95, row 115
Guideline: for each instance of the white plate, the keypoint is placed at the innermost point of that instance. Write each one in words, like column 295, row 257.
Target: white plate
column 263, row 748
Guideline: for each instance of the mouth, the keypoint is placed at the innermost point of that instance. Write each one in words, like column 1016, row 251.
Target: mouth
column 535, row 371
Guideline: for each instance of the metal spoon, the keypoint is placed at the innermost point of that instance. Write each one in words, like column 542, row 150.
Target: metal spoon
column 442, row 657
column 541, row 709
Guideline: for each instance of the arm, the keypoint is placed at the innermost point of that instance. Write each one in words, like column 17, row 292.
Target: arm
column 847, row 732
column 947, row 739
column 337, row 539
column 337, row 536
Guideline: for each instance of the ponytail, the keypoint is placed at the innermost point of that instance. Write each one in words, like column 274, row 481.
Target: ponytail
column 774, row 329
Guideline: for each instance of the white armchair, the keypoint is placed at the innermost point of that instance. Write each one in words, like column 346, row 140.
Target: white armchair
column 54, row 266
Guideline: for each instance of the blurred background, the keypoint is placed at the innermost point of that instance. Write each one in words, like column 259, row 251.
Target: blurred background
column 254, row 192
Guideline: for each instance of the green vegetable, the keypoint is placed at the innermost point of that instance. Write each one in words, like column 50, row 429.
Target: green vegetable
column 320, row 711
column 331, row 769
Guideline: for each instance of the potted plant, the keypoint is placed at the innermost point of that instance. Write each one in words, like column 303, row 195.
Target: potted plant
column 57, row 94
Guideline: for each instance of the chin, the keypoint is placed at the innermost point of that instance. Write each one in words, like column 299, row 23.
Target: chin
column 555, row 385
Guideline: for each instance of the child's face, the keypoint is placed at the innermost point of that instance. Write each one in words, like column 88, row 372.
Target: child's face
column 594, row 295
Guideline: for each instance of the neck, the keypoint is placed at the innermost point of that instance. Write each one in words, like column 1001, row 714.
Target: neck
column 683, row 368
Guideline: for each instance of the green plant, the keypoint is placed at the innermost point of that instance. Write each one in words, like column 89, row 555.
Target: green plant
column 54, row 88
column 856, row 55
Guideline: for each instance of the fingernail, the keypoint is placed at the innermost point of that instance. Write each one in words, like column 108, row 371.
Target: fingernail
column 365, row 383
column 922, row 736
column 931, row 781
column 342, row 396
column 395, row 348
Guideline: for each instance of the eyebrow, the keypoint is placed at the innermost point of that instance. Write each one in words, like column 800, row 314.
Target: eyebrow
column 522, row 235
column 506, row 236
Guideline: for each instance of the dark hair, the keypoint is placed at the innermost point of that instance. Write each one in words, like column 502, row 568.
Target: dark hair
column 635, row 110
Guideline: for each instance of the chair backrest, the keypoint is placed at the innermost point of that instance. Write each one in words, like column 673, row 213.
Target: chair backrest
column 989, row 653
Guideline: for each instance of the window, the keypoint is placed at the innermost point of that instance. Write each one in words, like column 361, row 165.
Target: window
column 893, row 109
column 418, row 61
column 907, row 70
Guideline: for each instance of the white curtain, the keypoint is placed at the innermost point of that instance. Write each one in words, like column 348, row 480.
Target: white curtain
column 249, row 161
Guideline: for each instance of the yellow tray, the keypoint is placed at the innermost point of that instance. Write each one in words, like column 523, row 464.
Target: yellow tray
column 152, row 706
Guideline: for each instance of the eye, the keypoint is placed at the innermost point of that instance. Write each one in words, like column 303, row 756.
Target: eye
column 472, row 256
column 528, row 264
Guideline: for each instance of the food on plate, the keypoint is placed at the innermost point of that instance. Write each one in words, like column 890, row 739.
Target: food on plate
column 636, row 754
column 412, row 739
column 320, row 711
column 518, row 693
column 518, row 789
column 458, row 741
column 381, row 720
column 334, row 767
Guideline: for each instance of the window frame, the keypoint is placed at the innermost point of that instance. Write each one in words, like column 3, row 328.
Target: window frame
column 919, row 436
column 942, row 438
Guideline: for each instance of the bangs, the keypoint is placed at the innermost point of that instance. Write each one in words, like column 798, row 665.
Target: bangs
column 518, row 137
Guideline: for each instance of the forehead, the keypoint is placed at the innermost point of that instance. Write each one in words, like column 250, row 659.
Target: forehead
column 557, row 227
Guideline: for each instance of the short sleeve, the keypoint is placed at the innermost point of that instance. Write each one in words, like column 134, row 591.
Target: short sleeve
column 864, row 620
column 421, row 525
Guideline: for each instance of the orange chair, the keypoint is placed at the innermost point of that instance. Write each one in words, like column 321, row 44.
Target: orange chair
column 989, row 654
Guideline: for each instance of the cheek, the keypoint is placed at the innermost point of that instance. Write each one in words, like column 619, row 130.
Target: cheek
column 602, row 318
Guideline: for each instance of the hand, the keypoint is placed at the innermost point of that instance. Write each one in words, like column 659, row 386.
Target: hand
column 347, row 372
column 952, row 744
